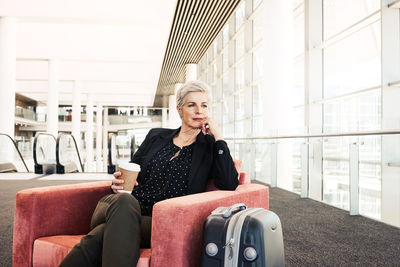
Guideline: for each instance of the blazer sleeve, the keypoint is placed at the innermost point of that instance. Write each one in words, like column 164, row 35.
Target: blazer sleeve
column 223, row 170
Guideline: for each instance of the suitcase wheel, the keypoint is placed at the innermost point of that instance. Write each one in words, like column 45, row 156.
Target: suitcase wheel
column 211, row 249
column 250, row 254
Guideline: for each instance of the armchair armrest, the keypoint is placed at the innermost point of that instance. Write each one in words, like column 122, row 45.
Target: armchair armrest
column 244, row 178
column 177, row 225
column 53, row 210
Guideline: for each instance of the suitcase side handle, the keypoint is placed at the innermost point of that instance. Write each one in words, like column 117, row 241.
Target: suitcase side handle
column 226, row 212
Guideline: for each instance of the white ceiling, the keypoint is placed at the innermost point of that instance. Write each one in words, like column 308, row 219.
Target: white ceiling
column 115, row 48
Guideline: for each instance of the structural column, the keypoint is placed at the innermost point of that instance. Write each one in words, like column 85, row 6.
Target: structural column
column 313, row 93
column 52, row 98
column 76, row 113
column 277, row 82
column 191, row 72
column 89, row 132
column 164, row 118
column 8, row 56
column 105, row 139
column 390, row 114
column 174, row 119
column 99, row 141
column 165, row 112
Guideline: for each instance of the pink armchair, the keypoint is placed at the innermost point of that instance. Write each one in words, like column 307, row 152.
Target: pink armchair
column 49, row 221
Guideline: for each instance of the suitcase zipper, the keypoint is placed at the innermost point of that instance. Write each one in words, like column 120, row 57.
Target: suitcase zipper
column 233, row 236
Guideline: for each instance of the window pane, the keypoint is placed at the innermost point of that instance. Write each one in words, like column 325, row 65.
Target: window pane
column 296, row 167
column 240, row 15
column 257, row 126
column 228, row 130
column 336, row 171
column 239, row 50
column 358, row 113
column 298, row 120
column 298, row 83
column 227, row 89
column 257, row 65
column 217, row 111
column 243, row 104
column 256, row 3
column 257, row 101
column 217, row 91
column 298, row 32
column 214, row 71
column 297, row 2
column 243, row 128
column 229, row 110
column 340, row 14
column 225, row 61
column 225, row 34
column 353, row 63
column 257, row 29
column 370, row 183
column 210, row 56
column 209, row 76
column 239, row 76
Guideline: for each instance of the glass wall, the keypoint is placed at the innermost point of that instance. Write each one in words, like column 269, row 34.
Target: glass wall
column 233, row 67
column 352, row 99
column 350, row 91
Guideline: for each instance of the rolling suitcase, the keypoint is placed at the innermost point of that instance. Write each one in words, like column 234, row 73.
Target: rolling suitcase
column 236, row 236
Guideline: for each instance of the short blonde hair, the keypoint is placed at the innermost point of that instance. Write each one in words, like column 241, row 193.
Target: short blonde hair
column 189, row 87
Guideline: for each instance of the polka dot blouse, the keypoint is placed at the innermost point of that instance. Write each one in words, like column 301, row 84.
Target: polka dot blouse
column 166, row 176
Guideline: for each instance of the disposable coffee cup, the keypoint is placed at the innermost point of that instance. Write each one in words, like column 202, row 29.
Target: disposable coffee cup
column 129, row 173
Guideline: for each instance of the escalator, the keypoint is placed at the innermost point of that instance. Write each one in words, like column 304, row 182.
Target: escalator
column 59, row 155
column 44, row 153
column 11, row 159
column 68, row 158
column 120, row 149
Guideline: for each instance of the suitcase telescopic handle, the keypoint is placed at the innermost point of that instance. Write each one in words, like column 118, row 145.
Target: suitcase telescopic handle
column 237, row 207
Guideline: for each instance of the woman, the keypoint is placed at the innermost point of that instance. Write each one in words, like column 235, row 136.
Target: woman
column 174, row 162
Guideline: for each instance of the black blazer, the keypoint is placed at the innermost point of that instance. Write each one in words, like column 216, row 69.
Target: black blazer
column 210, row 160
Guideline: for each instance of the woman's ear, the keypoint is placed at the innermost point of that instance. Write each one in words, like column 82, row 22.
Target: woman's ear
column 179, row 111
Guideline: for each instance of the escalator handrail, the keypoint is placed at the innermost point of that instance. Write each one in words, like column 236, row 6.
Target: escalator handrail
column 58, row 149
column 16, row 147
column 133, row 146
column 34, row 145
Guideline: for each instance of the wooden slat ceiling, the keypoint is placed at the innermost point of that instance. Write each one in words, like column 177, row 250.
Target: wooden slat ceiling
column 195, row 26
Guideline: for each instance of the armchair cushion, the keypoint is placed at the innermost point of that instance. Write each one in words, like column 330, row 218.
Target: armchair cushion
column 49, row 251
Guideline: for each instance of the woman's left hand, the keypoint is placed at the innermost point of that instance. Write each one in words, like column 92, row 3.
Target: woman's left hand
column 210, row 126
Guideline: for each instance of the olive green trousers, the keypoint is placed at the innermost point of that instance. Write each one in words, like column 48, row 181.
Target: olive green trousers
column 118, row 231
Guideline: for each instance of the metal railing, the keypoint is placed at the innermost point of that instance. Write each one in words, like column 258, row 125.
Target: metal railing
column 25, row 113
column 16, row 148
column 130, row 119
column 61, row 167
column 39, row 168
column 112, row 166
column 353, row 159
column 361, row 133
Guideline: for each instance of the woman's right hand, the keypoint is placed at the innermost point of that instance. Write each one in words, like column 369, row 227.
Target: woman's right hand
column 117, row 183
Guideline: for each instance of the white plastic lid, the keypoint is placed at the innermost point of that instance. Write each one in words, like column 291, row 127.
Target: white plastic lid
column 133, row 167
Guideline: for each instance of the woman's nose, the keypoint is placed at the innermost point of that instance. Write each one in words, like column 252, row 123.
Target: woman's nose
column 199, row 110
